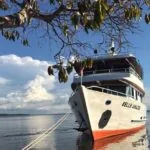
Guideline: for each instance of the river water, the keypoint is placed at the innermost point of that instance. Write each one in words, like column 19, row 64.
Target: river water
column 18, row 131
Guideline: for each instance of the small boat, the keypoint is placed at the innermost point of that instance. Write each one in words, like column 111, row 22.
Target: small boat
column 107, row 98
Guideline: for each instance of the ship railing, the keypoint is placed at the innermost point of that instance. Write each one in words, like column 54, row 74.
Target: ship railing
column 108, row 91
column 126, row 70
column 101, row 55
column 105, row 90
column 131, row 70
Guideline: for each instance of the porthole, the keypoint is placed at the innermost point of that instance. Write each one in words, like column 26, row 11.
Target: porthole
column 108, row 102
column 104, row 119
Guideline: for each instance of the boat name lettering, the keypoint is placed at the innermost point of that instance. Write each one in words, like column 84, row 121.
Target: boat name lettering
column 130, row 105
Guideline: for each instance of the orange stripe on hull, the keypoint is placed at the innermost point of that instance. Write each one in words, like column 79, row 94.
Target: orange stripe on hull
column 108, row 133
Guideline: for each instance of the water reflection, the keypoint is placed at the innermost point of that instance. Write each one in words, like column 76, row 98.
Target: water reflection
column 129, row 141
column 41, row 123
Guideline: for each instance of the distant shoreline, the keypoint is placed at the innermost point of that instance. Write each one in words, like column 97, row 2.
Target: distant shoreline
column 5, row 115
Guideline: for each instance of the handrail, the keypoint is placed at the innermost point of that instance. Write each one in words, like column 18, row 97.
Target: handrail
column 108, row 90
column 128, row 70
column 110, row 70
column 110, row 55
column 105, row 90
column 134, row 72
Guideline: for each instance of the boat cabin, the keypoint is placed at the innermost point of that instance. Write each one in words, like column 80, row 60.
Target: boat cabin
column 115, row 64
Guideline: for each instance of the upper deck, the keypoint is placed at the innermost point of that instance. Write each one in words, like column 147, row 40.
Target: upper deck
column 118, row 67
column 117, row 63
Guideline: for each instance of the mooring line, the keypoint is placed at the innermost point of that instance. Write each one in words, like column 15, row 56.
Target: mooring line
column 45, row 134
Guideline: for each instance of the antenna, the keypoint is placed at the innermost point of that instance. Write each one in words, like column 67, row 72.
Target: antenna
column 112, row 50
column 112, row 45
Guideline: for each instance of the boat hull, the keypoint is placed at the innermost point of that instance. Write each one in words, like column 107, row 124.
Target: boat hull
column 106, row 115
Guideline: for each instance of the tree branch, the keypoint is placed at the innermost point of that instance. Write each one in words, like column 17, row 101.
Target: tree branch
column 17, row 19
column 49, row 17
column 17, row 3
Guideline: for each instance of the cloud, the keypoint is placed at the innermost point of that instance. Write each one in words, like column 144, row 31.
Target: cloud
column 28, row 88
column 147, row 97
column 3, row 81
column 37, row 89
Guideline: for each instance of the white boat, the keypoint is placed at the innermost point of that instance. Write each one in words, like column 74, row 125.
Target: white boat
column 108, row 98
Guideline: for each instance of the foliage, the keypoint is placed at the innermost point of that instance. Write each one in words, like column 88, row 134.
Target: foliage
column 64, row 71
column 63, row 20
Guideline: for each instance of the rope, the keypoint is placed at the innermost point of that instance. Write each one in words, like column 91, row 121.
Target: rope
column 45, row 134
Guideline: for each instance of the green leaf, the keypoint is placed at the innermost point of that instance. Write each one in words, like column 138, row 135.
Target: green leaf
column 147, row 19
column 3, row 5
column 69, row 68
column 147, row 3
column 65, row 30
column 50, row 70
column 86, row 29
column 116, row 1
column 13, row 38
column 17, row 35
column 25, row 42
column 75, row 20
column 59, row 1
column 51, row 1
column 105, row 5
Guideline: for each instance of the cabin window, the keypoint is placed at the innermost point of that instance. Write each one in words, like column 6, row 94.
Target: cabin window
column 121, row 89
column 128, row 92
column 139, row 97
column 136, row 95
column 132, row 89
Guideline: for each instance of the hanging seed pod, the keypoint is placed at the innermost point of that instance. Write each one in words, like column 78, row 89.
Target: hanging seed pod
column 75, row 20
column 84, row 64
column 65, row 30
column 84, row 19
column 62, row 75
column 133, row 11
column 105, row 5
column 99, row 13
column 65, row 78
column 89, row 63
column 126, row 12
column 116, row 1
column 77, row 66
column 50, row 70
column 81, row 7
column 147, row 3
column 147, row 19
column 138, row 13
column 130, row 14
column 69, row 68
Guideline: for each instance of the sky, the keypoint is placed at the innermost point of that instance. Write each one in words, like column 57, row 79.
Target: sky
column 25, row 86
